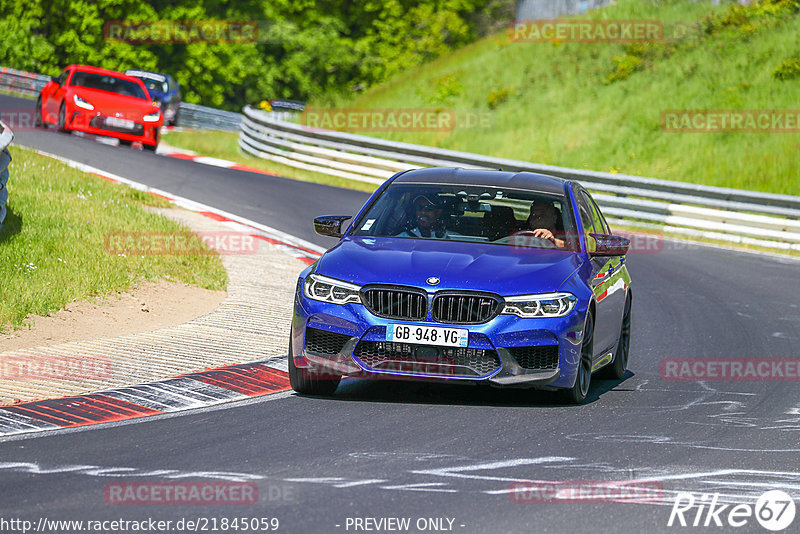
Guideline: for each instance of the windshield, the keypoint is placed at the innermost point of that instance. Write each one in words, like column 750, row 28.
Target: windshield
column 104, row 82
column 153, row 85
column 480, row 214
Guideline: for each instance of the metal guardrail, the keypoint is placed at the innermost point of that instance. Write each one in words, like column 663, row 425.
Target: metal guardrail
column 747, row 217
column 21, row 82
column 196, row 116
column 6, row 136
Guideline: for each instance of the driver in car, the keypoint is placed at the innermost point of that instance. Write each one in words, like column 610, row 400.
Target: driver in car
column 542, row 222
column 428, row 219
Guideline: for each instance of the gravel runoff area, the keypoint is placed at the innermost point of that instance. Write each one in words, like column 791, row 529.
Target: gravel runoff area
column 252, row 323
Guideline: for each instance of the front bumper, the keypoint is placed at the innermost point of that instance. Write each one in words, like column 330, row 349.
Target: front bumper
column 93, row 123
column 502, row 337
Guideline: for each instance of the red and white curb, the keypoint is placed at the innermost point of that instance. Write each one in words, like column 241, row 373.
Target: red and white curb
column 299, row 248
column 207, row 160
column 185, row 392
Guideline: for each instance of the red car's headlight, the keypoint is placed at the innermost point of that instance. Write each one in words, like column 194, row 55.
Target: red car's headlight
column 152, row 117
column 81, row 103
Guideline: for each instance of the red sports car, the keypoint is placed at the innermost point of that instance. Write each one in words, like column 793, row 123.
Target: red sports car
column 101, row 102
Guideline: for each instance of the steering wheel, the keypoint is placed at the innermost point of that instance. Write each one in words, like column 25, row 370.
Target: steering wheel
column 526, row 238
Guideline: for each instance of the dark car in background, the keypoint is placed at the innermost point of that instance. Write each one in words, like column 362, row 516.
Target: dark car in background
column 164, row 91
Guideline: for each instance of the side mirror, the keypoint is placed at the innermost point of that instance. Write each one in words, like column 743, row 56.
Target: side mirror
column 330, row 225
column 610, row 245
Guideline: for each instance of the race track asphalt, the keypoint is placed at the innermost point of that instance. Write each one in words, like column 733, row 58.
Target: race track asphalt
column 393, row 449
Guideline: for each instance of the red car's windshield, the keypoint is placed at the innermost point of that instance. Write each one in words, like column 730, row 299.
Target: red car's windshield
column 104, row 82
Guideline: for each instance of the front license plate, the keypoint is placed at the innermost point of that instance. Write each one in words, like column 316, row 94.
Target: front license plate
column 120, row 123
column 428, row 335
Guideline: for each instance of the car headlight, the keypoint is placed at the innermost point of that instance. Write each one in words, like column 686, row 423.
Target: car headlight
column 318, row 287
column 540, row 305
column 152, row 117
column 81, row 103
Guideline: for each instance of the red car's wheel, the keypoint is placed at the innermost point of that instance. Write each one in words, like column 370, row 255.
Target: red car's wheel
column 37, row 114
column 62, row 119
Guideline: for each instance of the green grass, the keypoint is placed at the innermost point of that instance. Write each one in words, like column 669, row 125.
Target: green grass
column 225, row 145
column 597, row 105
column 52, row 242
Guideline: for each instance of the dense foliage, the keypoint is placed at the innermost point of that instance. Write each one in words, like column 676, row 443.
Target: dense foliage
column 305, row 49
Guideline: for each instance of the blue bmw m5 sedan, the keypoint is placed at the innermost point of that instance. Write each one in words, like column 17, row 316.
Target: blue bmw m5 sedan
column 510, row 279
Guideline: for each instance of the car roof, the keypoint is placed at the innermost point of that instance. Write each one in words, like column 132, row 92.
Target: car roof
column 531, row 181
column 98, row 70
column 150, row 75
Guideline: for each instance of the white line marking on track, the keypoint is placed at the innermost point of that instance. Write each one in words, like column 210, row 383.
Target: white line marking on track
column 457, row 472
column 428, row 486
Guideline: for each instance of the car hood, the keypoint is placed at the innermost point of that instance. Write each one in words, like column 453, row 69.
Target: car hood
column 499, row 269
column 109, row 103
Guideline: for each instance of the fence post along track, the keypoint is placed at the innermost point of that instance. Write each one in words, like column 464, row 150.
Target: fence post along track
column 6, row 136
column 732, row 215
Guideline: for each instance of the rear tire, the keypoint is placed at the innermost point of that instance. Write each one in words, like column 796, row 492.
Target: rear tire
column 583, row 381
column 306, row 382
column 617, row 368
column 151, row 148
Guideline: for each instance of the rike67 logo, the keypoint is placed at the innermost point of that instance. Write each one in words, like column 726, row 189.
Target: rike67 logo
column 774, row 511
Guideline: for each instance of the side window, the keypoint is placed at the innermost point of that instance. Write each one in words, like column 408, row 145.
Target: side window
column 600, row 224
column 587, row 222
column 62, row 78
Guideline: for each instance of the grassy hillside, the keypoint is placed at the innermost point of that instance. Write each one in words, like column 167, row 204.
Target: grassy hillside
column 598, row 105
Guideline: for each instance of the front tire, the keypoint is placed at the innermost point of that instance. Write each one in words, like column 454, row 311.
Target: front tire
column 37, row 115
column 583, row 381
column 618, row 367
column 62, row 119
column 306, row 382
